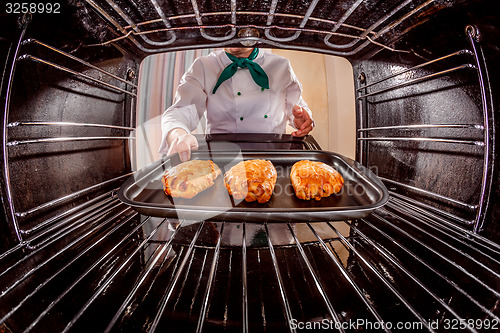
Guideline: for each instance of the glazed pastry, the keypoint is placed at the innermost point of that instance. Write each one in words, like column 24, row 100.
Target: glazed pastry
column 187, row 179
column 315, row 180
column 253, row 180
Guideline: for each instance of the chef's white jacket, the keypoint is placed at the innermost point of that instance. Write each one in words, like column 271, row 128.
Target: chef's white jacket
column 239, row 105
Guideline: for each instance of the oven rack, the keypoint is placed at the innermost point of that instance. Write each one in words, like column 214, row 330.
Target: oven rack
column 131, row 273
column 66, row 139
column 370, row 93
column 60, row 67
column 161, row 28
column 66, row 198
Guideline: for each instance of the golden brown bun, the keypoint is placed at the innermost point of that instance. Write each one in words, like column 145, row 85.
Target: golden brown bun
column 316, row 180
column 187, row 179
column 253, row 180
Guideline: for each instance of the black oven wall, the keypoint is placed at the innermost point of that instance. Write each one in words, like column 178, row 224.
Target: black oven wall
column 426, row 118
column 68, row 113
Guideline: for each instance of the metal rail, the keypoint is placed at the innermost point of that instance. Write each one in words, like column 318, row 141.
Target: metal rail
column 284, row 298
column 375, row 233
column 423, row 262
column 241, row 26
column 443, row 231
column 112, row 276
column 251, row 13
column 67, row 139
column 64, row 267
column 54, row 202
column 361, row 137
column 431, row 194
column 444, row 278
column 68, row 70
column 165, row 248
column 164, row 19
column 34, row 41
column 420, row 127
column 419, row 283
column 317, row 282
column 19, row 231
column 74, row 212
column 348, row 278
column 391, row 26
column 9, row 202
column 65, row 123
column 208, row 290
column 46, row 235
column 261, row 293
column 472, row 276
column 173, row 282
column 438, row 213
column 394, row 291
column 346, row 15
column 487, row 108
column 111, row 20
column 457, row 53
column 64, row 232
column 423, row 139
column 202, row 30
column 417, row 80
column 44, row 246
column 441, row 219
column 243, row 39
column 244, row 281
column 485, row 143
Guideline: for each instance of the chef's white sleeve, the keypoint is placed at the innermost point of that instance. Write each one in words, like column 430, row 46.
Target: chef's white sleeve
column 189, row 104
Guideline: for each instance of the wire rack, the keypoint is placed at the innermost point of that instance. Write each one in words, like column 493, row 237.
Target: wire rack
column 113, row 271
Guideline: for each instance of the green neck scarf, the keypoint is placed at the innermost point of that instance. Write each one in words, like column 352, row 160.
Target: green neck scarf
column 258, row 74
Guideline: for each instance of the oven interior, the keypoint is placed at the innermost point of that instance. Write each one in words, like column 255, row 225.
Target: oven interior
column 75, row 258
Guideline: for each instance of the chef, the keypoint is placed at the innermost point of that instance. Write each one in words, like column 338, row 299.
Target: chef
column 242, row 90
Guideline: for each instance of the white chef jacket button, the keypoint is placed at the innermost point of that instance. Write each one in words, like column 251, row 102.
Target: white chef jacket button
column 238, row 93
column 241, row 118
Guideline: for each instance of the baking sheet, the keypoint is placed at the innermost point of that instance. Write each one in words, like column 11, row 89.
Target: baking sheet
column 362, row 192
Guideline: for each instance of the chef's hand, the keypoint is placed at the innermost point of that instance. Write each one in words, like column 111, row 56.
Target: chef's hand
column 181, row 142
column 302, row 121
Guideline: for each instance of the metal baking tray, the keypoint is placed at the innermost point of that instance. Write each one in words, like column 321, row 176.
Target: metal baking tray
column 363, row 192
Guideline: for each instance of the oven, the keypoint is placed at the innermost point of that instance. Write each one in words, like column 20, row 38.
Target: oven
column 76, row 258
